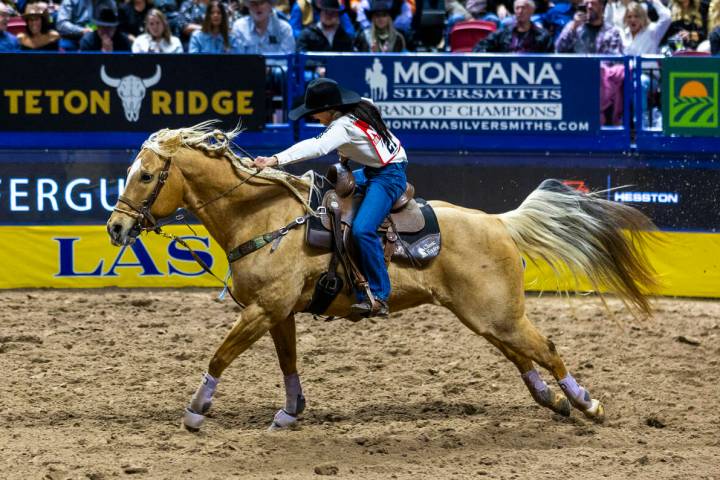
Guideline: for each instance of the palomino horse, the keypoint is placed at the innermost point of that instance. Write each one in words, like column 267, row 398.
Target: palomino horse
column 478, row 274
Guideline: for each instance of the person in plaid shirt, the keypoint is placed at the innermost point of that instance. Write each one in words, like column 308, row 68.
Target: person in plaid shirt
column 588, row 32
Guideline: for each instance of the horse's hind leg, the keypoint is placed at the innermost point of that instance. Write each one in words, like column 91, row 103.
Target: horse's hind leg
column 524, row 338
column 253, row 323
column 283, row 335
column 540, row 391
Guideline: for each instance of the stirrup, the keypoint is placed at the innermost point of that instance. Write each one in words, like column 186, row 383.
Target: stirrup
column 367, row 309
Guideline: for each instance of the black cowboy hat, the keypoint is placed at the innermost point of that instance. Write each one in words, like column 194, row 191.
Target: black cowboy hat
column 333, row 5
column 382, row 6
column 323, row 94
column 106, row 17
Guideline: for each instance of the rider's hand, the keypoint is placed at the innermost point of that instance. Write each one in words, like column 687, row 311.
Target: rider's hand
column 262, row 162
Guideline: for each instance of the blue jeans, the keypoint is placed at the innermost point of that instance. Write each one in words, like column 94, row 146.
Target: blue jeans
column 382, row 186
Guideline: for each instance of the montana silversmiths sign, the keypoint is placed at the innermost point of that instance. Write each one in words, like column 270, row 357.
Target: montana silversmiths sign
column 691, row 96
column 478, row 94
column 131, row 93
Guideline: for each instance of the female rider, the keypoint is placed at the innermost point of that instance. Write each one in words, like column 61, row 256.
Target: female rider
column 358, row 132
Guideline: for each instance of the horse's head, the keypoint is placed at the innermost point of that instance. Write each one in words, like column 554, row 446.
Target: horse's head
column 151, row 191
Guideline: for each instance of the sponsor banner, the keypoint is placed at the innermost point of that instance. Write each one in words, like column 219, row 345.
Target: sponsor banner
column 130, row 93
column 81, row 187
column 82, row 257
column 477, row 94
column 47, row 188
column 691, row 96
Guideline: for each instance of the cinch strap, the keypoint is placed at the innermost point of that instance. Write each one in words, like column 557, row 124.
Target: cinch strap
column 261, row 240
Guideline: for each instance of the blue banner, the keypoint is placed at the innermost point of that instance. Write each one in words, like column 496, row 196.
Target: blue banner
column 475, row 93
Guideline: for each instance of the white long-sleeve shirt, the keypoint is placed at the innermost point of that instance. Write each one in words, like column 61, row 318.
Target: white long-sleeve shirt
column 353, row 139
column 648, row 40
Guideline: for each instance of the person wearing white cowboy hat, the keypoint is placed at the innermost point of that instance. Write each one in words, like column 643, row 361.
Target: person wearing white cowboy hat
column 355, row 128
column 381, row 36
column 107, row 37
column 262, row 31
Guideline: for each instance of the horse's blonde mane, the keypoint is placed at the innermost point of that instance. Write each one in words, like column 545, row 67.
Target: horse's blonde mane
column 217, row 143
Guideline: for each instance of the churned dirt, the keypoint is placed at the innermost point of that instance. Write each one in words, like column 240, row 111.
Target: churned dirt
column 94, row 383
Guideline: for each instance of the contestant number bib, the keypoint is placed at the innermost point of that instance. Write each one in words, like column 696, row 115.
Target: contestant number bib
column 385, row 150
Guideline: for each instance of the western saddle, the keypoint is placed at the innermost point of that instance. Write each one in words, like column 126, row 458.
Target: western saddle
column 337, row 194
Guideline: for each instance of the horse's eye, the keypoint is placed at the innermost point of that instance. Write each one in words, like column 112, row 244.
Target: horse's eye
column 146, row 177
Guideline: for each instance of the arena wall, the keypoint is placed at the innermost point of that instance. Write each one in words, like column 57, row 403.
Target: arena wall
column 59, row 181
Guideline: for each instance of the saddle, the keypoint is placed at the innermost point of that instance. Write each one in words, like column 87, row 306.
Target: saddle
column 410, row 233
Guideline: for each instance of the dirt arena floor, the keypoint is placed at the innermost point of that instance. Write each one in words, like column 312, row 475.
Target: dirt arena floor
column 95, row 383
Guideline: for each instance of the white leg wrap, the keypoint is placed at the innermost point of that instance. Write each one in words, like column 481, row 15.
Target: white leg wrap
column 577, row 395
column 293, row 393
column 534, row 382
column 192, row 421
column 282, row 420
column 202, row 398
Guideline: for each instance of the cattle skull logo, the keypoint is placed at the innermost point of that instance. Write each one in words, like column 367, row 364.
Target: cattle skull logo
column 131, row 90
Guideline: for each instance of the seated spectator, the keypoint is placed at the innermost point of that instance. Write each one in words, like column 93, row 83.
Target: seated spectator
column 304, row 13
column 687, row 29
column 8, row 42
column 263, row 31
column 712, row 22
column 522, row 37
column 157, row 37
column 715, row 41
column 588, row 32
column 640, row 36
column 132, row 17
column 38, row 35
column 214, row 36
column 615, row 12
column 382, row 35
column 402, row 12
column 107, row 38
column 191, row 18
column 325, row 35
column 75, row 19
column 172, row 14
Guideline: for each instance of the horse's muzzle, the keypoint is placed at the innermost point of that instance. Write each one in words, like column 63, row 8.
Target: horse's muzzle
column 120, row 234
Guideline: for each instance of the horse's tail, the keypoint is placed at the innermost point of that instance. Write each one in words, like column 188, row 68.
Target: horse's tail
column 595, row 238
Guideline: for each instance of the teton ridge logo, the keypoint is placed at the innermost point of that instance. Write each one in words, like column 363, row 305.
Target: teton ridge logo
column 131, row 90
column 693, row 100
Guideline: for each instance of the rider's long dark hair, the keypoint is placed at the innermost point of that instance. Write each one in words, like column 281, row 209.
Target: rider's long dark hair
column 368, row 113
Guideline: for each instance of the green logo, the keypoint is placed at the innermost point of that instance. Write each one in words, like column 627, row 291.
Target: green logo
column 694, row 100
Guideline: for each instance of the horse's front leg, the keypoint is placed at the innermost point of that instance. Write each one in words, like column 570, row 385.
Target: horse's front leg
column 253, row 323
column 283, row 335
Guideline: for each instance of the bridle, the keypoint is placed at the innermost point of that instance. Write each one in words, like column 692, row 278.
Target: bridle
column 144, row 220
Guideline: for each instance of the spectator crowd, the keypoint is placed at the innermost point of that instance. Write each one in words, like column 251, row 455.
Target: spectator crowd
column 286, row 26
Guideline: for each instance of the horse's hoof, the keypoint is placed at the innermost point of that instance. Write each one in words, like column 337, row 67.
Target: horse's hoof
column 596, row 412
column 192, row 421
column 561, row 405
column 282, row 421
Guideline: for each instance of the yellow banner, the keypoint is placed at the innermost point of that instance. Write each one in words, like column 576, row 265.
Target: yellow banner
column 82, row 257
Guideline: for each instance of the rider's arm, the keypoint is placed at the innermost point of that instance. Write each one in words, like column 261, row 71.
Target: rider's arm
column 333, row 137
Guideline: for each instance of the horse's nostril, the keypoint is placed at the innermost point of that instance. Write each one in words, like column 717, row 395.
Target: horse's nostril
column 116, row 228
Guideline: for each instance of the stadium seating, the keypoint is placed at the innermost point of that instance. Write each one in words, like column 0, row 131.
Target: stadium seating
column 16, row 25
column 464, row 35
